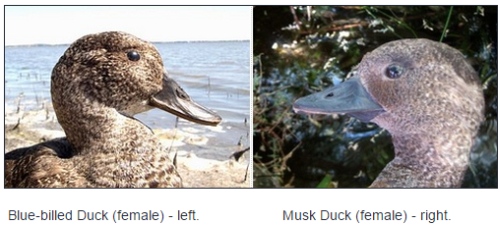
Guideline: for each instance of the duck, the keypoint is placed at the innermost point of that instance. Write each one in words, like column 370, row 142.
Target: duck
column 426, row 95
column 100, row 82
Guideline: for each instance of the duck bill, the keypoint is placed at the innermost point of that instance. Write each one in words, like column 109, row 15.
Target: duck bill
column 349, row 97
column 175, row 100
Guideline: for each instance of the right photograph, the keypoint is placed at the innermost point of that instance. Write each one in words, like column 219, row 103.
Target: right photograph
column 375, row 96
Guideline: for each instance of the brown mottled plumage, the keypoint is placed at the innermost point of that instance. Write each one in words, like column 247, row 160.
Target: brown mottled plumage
column 427, row 96
column 100, row 82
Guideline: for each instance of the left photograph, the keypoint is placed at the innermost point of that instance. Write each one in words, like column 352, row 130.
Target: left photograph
column 127, row 97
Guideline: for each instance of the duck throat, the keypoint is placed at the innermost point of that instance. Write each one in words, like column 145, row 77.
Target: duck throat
column 427, row 161
column 93, row 129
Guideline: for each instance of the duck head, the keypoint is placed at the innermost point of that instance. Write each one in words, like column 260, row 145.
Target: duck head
column 119, row 71
column 407, row 86
column 426, row 95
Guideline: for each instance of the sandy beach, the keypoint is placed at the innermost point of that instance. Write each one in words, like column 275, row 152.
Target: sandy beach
column 26, row 128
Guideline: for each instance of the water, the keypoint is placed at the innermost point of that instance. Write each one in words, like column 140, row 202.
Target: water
column 214, row 74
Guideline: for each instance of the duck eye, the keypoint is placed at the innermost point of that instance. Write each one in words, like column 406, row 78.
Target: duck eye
column 133, row 56
column 394, row 71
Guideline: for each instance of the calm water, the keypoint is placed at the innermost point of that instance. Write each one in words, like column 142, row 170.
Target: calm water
column 215, row 74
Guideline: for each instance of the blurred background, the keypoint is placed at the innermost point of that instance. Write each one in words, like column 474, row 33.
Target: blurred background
column 300, row 50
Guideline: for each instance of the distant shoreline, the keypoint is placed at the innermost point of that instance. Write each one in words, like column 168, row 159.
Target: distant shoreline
column 154, row 42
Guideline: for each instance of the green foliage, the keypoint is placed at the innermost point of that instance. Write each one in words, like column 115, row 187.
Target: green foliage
column 301, row 50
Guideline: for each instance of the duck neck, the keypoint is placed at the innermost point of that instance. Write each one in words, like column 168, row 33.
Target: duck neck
column 427, row 160
column 435, row 149
column 94, row 129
